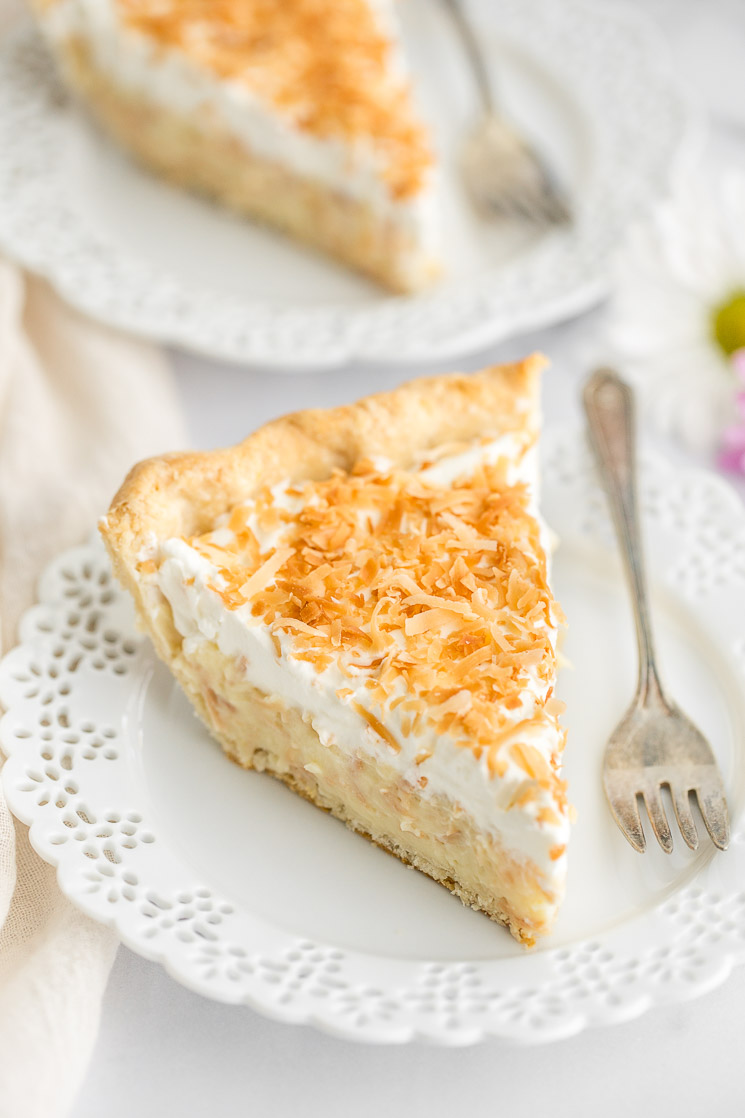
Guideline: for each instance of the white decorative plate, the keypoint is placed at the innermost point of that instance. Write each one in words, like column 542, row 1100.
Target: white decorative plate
column 248, row 894
column 586, row 80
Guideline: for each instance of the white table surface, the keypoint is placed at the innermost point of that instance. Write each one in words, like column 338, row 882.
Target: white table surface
column 163, row 1050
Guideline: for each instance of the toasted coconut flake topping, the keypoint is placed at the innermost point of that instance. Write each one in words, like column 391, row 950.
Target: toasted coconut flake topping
column 436, row 596
column 327, row 63
column 266, row 573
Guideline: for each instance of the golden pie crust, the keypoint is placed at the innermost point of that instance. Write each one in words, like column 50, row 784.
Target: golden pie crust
column 183, row 495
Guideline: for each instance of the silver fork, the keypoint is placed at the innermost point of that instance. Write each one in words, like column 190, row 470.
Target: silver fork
column 655, row 745
column 502, row 172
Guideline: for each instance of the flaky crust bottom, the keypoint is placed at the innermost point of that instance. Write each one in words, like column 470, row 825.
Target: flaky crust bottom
column 367, row 793
column 503, row 914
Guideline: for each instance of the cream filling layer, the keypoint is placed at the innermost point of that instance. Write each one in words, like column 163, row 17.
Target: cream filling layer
column 185, row 579
column 171, row 79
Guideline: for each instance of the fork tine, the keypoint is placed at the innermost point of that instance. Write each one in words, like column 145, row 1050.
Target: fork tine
column 530, row 206
column 682, row 804
column 536, row 202
column 657, row 817
column 556, row 210
column 513, row 203
column 713, row 807
column 550, row 202
column 625, row 811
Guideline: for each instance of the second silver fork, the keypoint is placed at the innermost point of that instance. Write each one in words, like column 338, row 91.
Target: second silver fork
column 503, row 173
column 655, row 745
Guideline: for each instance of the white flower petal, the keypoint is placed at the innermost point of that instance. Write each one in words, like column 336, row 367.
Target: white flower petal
column 671, row 274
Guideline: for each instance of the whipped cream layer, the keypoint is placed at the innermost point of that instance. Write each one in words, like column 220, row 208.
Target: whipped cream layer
column 174, row 80
column 336, row 697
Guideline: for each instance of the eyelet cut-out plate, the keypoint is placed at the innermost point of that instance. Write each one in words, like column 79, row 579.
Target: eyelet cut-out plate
column 248, row 894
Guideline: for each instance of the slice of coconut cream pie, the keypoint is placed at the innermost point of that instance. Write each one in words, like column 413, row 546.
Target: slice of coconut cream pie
column 357, row 602
column 296, row 112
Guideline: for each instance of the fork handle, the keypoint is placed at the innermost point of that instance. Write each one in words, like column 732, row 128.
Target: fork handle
column 473, row 49
column 609, row 405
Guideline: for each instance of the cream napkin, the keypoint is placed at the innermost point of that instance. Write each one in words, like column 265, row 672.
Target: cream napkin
column 78, row 405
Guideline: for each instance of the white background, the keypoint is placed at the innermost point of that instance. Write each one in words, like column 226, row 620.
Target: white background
column 163, row 1050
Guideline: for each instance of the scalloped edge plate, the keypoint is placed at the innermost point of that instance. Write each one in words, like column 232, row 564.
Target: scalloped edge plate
column 140, row 256
column 110, row 772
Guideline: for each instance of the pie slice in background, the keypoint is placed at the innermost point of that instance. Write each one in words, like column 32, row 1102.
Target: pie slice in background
column 298, row 113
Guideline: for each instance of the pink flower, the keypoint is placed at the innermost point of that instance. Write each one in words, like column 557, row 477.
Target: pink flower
column 738, row 362
column 731, row 455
